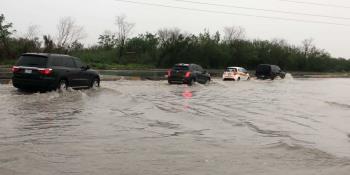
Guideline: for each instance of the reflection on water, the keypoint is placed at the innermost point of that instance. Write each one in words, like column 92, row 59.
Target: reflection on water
column 221, row 128
column 187, row 94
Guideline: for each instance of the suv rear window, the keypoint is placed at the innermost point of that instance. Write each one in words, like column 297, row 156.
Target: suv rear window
column 181, row 68
column 231, row 70
column 32, row 61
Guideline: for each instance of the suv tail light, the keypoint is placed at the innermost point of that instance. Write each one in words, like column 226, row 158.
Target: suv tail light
column 169, row 72
column 46, row 71
column 188, row 74
column 14, row 69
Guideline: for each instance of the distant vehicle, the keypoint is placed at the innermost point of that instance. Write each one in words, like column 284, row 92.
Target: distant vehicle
column 187, row 74
column 42, row 71
column 267, row 71
column 235, row 74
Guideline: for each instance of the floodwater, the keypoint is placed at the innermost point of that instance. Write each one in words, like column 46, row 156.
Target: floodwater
column 290, row 126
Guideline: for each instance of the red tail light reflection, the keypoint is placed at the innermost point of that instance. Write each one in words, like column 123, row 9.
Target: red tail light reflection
column 187, row 94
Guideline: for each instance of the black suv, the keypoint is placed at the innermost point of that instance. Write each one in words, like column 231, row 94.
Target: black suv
column 42, row 71
column 267, row 71
column 188, row 74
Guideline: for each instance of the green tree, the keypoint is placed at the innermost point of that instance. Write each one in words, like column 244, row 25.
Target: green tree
column 49, row 44
column 107, row 40
column 5, row 34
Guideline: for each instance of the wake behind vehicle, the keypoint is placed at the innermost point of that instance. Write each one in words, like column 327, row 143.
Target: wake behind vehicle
column 187, row 74
column 235, row 74
column 42, row 72
column 267, row 71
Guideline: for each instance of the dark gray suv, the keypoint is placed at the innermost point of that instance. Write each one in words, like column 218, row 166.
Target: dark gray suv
column 42, row 71
column 268, row 71
column 187, row 74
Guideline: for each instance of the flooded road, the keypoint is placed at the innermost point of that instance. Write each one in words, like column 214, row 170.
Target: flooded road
column 290, row 126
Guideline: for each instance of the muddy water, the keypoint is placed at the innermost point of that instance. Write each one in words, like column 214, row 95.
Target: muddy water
column 290, row 126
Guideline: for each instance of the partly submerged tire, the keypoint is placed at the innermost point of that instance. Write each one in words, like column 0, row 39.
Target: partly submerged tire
column 95, row 83
column 62, row 85
column 191, row 82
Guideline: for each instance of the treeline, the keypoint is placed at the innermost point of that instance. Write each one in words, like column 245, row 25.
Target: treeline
column 66, row 41
column 169, row 46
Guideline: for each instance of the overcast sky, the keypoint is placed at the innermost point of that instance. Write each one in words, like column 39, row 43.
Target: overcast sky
column 96, row 16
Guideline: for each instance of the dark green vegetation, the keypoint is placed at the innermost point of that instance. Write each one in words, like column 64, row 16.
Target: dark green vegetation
column 170, row 46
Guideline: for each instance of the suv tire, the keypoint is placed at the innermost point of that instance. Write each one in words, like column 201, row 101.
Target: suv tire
column 95, row 83
column 191, row 82
column 62, row 85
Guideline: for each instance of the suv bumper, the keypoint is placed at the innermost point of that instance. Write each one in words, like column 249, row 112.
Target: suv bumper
column 179, row 80
column 34, row 84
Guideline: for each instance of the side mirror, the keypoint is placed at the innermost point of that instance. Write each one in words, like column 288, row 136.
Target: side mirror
column 87, row 67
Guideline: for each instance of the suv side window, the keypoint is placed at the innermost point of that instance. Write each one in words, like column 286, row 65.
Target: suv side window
column 78, row 63
column 275, row 68
column 200, row 69
column 68, row 62
column 56, row 61
column 278, row 69
column 193, row 67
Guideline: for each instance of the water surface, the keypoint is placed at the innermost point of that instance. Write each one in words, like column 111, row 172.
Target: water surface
column 290, row 126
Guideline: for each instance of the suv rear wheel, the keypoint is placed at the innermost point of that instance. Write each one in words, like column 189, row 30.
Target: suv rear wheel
column 191, row 82
column 62, row 85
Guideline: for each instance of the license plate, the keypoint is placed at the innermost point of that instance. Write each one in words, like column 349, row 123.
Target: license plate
column 28, row 71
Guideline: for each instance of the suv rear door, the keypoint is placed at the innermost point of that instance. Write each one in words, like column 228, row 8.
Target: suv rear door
column 28, row 66
column 263, row 70
column 179, row 71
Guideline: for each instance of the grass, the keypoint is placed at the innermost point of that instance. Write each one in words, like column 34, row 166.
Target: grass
column 106, row 59
column 96, row 59
column 104, row 66
column 7, row 63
